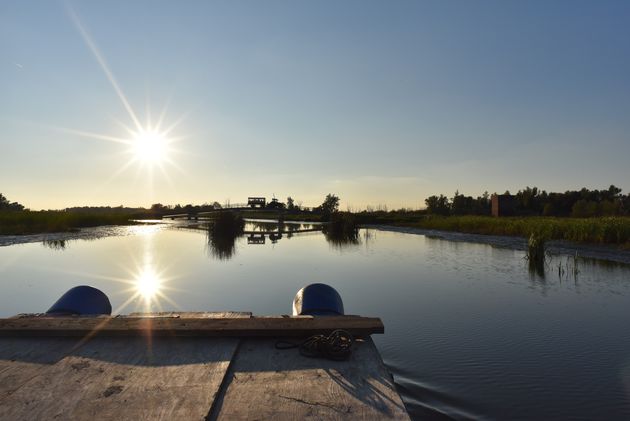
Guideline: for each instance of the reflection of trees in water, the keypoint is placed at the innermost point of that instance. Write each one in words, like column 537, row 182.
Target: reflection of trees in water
column 223, row 232
column 536, row 268
column 55, row 244
column 222, row 247
column 342, row 230
column 279, row 226
column 342, row 242
column 275, row 237
column 263, row 226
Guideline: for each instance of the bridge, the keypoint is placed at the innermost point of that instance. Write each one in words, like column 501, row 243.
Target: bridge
column 239, row 207
column 253, row 204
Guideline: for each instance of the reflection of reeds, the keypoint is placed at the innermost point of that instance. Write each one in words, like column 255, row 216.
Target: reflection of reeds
column 55, row 244
column 570, row 268
column 223, row 232
column 342, row 229
column 536, row 254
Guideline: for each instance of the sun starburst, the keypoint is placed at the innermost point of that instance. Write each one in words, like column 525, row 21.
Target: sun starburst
column 149, row 146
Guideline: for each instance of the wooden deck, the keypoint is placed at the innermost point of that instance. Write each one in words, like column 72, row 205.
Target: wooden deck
column 216, row 366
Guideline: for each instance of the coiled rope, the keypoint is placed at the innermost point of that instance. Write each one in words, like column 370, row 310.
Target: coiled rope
column 336, row 346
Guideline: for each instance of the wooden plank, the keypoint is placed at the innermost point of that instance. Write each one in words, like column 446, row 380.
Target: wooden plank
column 266, row 383
column 22, row 359
column 125, row 378
column 196, row 314
column 183, row 326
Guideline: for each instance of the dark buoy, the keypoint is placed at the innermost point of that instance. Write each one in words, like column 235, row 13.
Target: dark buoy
column 81, row 300
column 317, row 300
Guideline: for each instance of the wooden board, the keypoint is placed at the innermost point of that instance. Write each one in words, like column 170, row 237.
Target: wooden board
column 196, row 314
column 264, row 383
column 188, row 326
column 114, row 378
column 168, row 375
column 22, row 359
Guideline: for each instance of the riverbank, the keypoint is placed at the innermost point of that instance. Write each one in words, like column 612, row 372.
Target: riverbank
column 558, row 247
column 42, row 222
column 57, row 240
column 603, row 230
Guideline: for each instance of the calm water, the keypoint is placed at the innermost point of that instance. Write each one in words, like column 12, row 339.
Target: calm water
column 470, row 333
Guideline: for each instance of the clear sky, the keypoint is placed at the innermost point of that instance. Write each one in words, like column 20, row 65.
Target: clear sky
column 380, row 102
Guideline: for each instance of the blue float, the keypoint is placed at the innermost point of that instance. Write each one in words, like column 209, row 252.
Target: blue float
column 81, row 300
column 317, row 300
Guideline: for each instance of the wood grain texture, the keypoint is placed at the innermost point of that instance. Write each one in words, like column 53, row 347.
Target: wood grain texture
column 188, row 326
column 124, row 378
column 264, row 383
column 22, row 359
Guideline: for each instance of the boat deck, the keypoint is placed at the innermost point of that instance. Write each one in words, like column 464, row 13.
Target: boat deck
column 216, row 366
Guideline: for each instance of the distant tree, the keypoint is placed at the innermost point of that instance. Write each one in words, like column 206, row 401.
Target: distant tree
column 584, row 208
column 330, row 204
column 437, row 205
column 610, row 207
column 6, row 205
column 290, row 203
column 549, row 209
column 482, row 205
column 216, row 205
column 275, row 204
column 462, row 205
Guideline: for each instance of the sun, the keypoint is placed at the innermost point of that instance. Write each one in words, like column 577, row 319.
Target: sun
column 150, row 146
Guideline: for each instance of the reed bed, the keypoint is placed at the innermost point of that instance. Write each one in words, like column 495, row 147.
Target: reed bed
column 605, row 230
column 31, row 222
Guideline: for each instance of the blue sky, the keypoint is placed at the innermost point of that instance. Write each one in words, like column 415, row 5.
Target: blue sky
column 378, row 102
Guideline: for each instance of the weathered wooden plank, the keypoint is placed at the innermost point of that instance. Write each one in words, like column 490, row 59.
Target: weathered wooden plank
column 22, row 359
column 125, row 378
column 265, row 383
column 196, row 314
column 183, row 326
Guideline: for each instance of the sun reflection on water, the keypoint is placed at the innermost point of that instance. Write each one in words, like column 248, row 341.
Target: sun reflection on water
column 148, row 284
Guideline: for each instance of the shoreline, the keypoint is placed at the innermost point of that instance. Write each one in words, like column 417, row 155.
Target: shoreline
column 555, row 247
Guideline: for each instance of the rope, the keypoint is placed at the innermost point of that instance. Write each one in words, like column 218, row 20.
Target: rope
column 336, row 346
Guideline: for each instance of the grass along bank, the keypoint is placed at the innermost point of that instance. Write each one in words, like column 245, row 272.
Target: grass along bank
column 604, row 230
column 35, row 222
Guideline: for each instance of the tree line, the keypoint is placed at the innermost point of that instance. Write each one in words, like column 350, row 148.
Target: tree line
column 532, row 201
column 6, row 205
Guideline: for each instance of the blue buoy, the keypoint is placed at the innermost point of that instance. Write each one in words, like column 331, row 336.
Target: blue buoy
column 81, row 300
column 317, row 300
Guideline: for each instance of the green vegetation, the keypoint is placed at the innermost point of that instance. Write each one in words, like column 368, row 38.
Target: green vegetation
column 601, row 230
column 31, row 222
column 532, row 201
column 342, row 228
column 604, row 230
column 536, row 254
column 227, row 223
column 223, row 231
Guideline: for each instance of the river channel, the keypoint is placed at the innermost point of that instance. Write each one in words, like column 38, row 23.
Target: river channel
column 470, row 331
